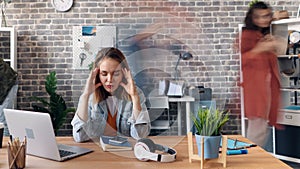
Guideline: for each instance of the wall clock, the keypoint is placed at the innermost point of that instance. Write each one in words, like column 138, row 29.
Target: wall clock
column 293, row 42
column 294, row 37
column 62, row 5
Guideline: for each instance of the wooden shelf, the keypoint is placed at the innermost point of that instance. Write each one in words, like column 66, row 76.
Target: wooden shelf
column 290, row 89
column 287, row 56
column 286, row 21
column 290, row 111
column 288, row 114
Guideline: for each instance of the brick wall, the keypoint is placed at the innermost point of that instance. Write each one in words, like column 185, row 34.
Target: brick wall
column 206, row 28
column 4, row 45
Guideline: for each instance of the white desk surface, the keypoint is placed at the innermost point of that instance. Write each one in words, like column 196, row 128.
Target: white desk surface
column 182, row 99
column 179, row 100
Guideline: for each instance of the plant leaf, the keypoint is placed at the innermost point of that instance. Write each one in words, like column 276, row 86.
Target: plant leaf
column 43, row 101
column 56, row 106
column 51, row 83
column 208, row 122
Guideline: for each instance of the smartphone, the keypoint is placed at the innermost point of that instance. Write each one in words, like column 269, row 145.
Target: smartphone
column 118, row 140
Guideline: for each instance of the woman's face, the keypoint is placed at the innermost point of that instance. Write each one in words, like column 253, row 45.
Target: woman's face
column 262, row 17
column 110, row 74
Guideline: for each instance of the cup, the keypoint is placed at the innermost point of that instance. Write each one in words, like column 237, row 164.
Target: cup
column 1, row 133
column 16, row 155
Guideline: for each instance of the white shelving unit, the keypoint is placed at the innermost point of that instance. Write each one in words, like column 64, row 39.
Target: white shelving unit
column 11, row 33
column 243, row 118
column 284, row 142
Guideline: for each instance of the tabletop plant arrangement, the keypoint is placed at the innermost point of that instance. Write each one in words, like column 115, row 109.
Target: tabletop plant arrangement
column 208, row 124
column 56, row 106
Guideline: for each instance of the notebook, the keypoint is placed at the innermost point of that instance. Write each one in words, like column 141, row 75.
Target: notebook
column 117, row 143
column 234, row 144
column 41, row 141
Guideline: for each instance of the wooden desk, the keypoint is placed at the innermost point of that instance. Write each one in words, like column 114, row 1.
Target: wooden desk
column 257, row 158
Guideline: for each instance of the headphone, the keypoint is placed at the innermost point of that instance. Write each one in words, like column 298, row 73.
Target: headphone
column 145, row 148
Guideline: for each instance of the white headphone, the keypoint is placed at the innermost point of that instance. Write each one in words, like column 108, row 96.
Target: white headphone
column 145, row 148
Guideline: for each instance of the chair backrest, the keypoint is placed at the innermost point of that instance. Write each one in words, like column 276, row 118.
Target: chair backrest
column 206, row 104
column 156, row 106
column 158, row 102
column 201, row 93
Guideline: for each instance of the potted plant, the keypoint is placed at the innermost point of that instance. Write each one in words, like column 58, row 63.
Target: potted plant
column 208, row 124
column 56, row 106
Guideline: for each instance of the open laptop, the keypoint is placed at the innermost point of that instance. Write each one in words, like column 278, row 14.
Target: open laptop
column 41, row 141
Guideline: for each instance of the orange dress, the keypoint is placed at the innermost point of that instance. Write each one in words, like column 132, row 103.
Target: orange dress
column 261, row 81
column 111, row 125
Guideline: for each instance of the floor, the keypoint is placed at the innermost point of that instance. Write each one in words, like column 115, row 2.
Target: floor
column 293, row 165
column 269, row 147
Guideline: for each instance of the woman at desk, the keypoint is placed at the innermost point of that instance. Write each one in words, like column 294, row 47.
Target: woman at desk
column 110, row 104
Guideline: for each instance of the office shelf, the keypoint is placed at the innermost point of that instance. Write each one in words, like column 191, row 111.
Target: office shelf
column 289, row 114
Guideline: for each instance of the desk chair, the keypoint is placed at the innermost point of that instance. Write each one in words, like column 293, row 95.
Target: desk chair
column 205, row 104
column 148, row 80
column 157, row 106
column 8, row 103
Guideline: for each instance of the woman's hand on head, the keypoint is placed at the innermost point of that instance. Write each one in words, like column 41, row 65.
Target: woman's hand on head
column 129, row 86
column 90, row 85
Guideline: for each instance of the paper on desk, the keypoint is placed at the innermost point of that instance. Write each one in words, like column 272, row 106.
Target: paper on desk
column 176, row 88
column 238, row 145
column 161, row 87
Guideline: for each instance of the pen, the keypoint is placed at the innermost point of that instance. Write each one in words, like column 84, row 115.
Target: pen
column 236, row 152
column 235, row 141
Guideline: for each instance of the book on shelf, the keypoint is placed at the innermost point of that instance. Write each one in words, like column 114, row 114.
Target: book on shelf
column 292, row 107
column 115, row 143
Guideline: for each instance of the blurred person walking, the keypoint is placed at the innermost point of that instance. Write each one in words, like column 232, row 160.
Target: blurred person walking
column 260, row 72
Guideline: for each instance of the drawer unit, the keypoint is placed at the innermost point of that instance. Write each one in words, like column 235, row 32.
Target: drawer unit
column 289, row 118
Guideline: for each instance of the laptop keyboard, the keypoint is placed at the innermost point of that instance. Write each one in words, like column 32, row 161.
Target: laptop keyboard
column 64, row 153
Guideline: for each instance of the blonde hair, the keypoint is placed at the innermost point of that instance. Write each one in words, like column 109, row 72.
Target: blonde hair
column 115, row 54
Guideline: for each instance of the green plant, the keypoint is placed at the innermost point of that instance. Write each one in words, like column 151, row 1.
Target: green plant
column 91, row 66
column 209, row 122
column 55, row 106
column 252, row 3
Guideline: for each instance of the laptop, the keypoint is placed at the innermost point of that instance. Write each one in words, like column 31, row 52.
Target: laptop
column 41, row 141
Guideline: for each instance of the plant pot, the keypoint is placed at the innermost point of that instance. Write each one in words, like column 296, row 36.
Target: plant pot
column 211, row 146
